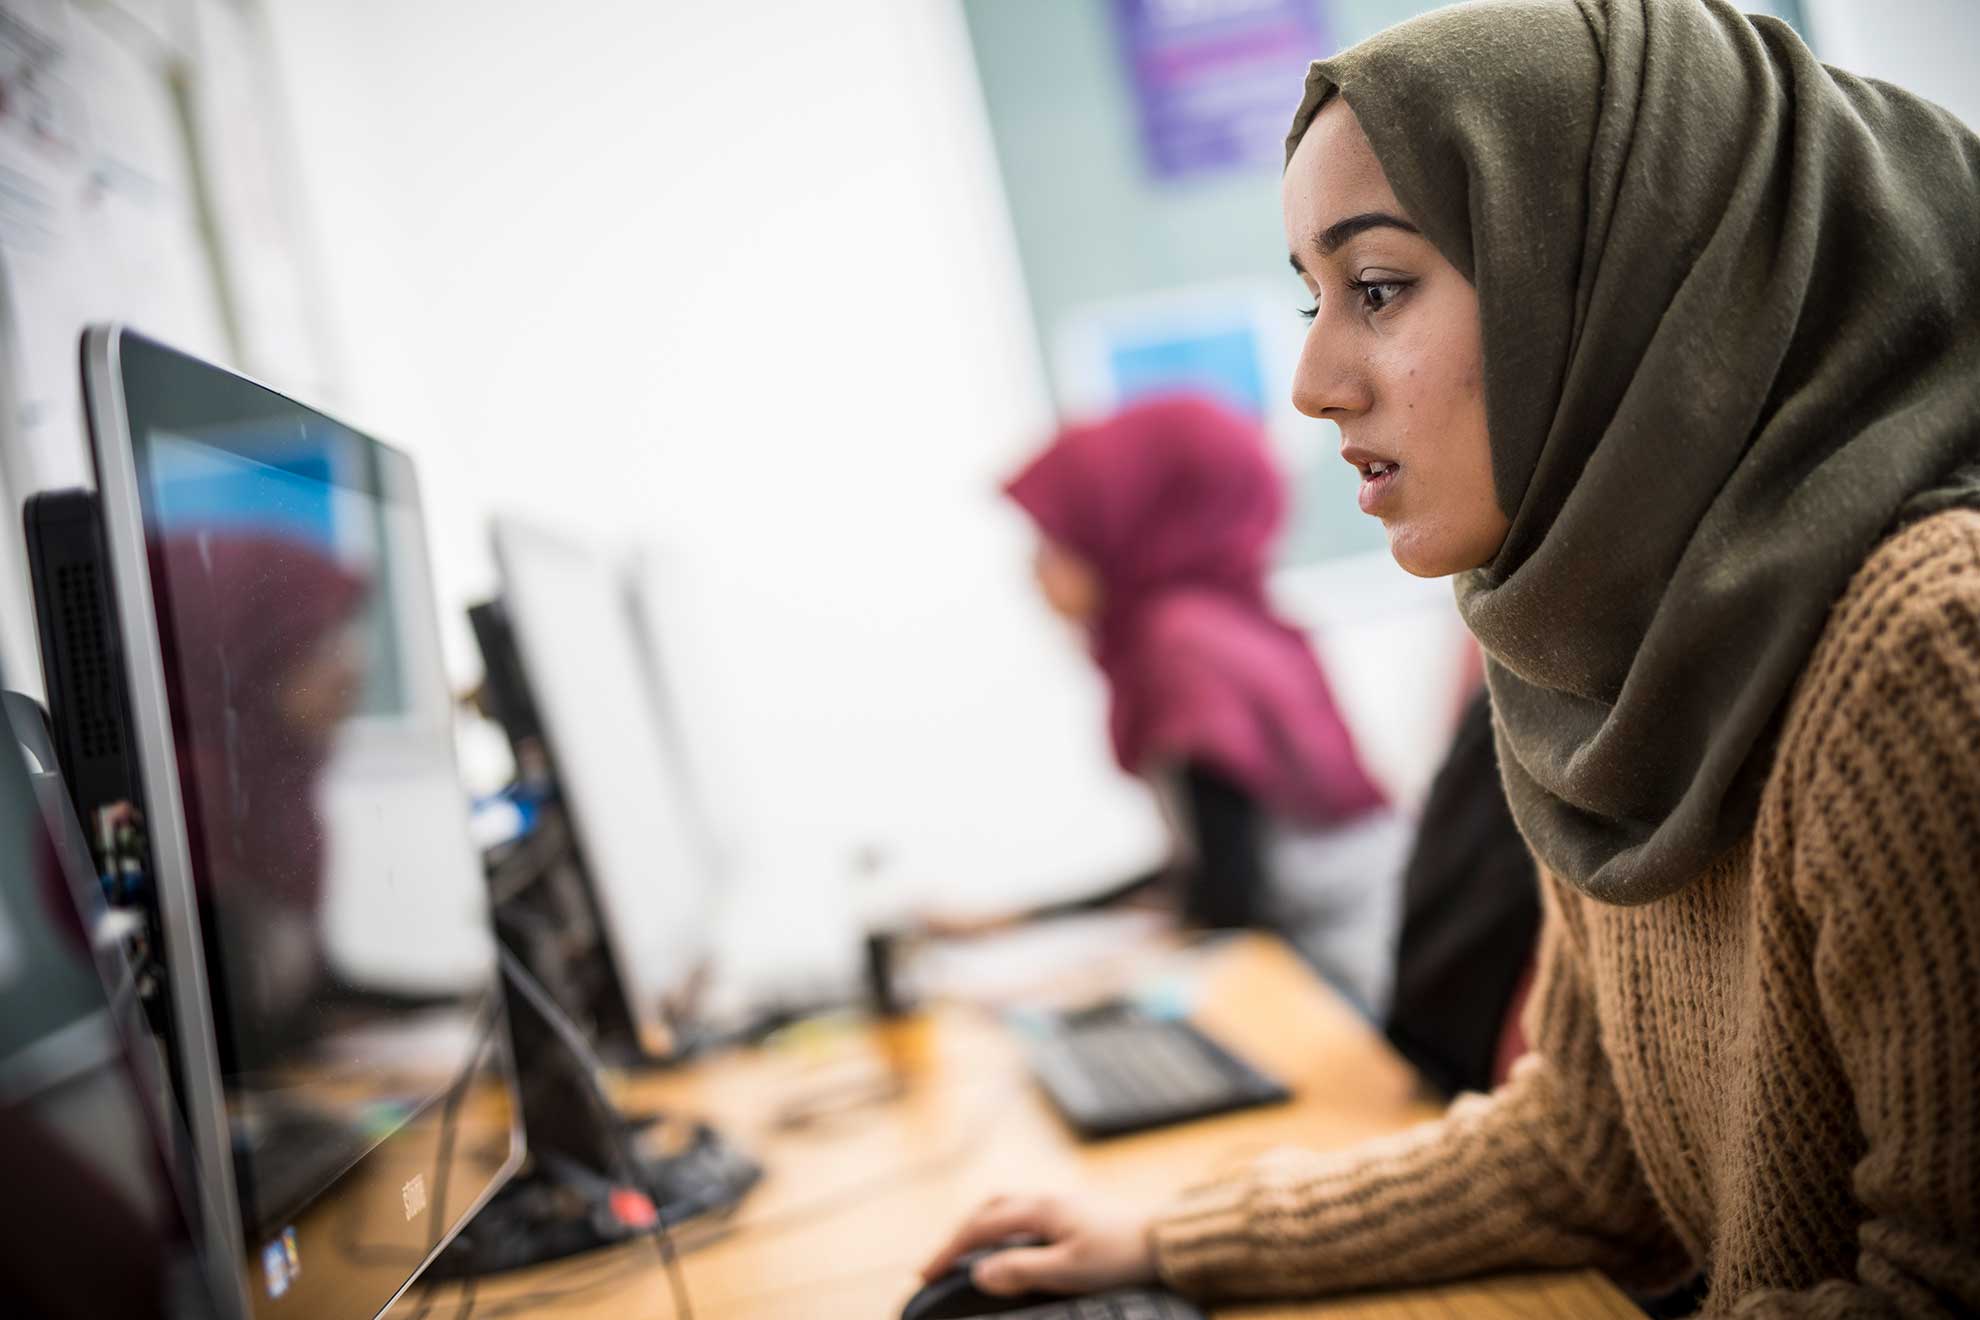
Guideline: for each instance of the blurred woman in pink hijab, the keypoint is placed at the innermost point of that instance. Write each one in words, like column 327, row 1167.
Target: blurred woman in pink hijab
column 1156, row 529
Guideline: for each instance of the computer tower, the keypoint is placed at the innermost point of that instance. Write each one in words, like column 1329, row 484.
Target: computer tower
column 81, row 661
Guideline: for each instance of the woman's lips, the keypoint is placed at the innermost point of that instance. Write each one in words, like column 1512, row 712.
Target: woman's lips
column 1378, row 484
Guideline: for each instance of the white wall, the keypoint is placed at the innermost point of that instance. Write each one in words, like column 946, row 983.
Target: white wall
column 732, row 280
column 1931, row 47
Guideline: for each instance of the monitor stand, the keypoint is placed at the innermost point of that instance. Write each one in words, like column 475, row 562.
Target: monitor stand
column 576, row 1193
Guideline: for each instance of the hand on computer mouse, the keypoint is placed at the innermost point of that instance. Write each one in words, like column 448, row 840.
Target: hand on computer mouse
column 1080, row 1245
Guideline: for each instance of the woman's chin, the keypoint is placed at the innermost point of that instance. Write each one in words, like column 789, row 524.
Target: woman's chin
column 1412, row 555
column 1440, row 549
column 1420, row 555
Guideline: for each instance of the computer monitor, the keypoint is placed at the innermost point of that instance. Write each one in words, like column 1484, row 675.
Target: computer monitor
column 337, row 1034
column 93, row 1221
column 640, row 842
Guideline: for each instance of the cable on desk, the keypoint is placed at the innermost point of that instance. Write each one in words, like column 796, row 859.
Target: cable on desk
column 797, row 1216
column 590, row 1068
column 836, row 1100
column 619, row 1265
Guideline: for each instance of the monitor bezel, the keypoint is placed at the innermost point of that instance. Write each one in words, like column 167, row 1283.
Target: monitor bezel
column 196, row 1043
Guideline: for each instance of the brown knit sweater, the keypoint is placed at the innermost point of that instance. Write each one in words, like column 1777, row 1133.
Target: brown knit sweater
column 1772, row 1075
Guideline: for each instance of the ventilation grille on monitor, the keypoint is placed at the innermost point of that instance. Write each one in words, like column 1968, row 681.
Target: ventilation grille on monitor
column 92, row 691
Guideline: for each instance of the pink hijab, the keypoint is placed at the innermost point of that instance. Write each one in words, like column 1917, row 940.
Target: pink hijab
column 1174, row 503
column 248, row 608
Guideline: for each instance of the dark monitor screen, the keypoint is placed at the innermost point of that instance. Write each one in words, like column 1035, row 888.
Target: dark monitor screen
column 335, row 985
column 92, row 1222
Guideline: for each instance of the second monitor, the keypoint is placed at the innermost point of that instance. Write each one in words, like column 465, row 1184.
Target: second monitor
column 595, row 697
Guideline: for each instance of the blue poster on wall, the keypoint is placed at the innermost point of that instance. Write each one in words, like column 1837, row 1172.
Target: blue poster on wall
column 1215, row 81
column 1222, row 362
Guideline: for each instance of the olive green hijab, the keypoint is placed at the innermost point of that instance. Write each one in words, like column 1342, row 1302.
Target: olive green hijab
column 1730, row 304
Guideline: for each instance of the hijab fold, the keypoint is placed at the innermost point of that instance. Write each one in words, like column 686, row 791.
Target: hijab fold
column 1730, row 308
column 1174, row 503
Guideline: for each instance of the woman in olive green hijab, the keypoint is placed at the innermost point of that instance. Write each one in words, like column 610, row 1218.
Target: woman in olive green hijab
column 1663, row 339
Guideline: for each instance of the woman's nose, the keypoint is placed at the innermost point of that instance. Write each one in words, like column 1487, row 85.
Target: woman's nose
column 1329, row 381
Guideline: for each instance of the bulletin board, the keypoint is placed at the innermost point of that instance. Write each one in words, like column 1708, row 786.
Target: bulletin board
column 144, row 178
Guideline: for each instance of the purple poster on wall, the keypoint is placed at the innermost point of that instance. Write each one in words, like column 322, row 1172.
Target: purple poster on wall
column 1216, row 81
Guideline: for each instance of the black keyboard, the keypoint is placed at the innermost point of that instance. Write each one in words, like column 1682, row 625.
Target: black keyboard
column 1123, row 1304
column 1116, row 1070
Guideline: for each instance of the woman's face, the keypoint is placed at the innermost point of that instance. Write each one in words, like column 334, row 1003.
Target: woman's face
column 1393, row 356
column 1069, row 584
column 323, row 689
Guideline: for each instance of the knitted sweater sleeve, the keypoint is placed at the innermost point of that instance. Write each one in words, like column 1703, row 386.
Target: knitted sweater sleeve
column 1878, row 823
column 1540, row 1173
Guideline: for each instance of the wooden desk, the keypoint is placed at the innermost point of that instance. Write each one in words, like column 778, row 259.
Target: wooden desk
column 852, row 1205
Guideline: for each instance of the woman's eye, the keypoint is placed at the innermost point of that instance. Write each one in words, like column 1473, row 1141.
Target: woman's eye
column 1378, row 294
column 1375, row 295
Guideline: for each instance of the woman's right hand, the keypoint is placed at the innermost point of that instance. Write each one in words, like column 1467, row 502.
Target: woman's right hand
column 1077, row 1245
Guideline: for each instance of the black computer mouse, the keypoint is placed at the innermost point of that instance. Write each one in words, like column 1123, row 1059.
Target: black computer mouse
column 954, row 1296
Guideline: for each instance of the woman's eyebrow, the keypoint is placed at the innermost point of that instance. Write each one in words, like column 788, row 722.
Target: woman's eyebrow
column 1329, row 240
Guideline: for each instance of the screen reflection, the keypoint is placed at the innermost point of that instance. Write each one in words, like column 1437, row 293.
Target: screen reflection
column 344, row 915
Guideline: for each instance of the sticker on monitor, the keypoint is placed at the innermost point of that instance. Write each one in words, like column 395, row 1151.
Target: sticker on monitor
column 275, row 1268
